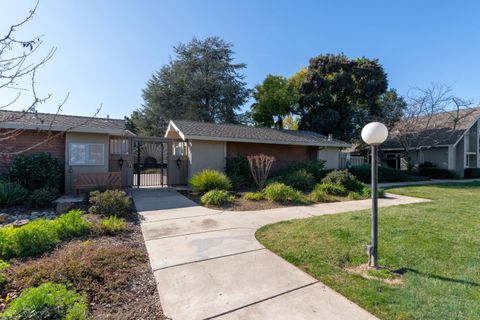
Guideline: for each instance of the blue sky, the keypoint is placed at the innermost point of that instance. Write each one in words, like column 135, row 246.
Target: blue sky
column 107, row 50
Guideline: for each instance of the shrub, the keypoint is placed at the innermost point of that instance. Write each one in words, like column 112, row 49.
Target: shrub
column 41, row 235
column 101, row 268
column 208, row 179
column 260, row 165
column 355, row 196
column 41, row 198
column 300, row 179
column 367, row 193
column 70, row 225
column 12, row 193
column 48, row 301
column 432, row 171
column 280, row 192
column 36, row 171
column 345, row 179
column 3, row 265
column 332, row 189
column 471, row 173
column 238, row 171
column 385, row 174
column 109, row 202
column 113, row 225
column 216, row 198
column 319, row 196
column 254, row 196
column 315, row 168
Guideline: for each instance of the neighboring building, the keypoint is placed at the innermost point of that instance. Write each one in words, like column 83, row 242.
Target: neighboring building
column 209, row 144
column 83, row 144
column 448, row 139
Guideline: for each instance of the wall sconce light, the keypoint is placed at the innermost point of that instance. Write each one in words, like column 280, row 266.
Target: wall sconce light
column 179, row 162
column 120, row 163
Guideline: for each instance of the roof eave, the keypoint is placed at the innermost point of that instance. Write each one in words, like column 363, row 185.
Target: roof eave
column 208, row 138
column 44, row 127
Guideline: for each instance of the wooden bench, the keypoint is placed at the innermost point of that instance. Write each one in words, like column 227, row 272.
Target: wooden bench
column 97, row 179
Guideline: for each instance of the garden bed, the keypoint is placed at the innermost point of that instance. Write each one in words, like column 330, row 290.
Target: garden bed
column 240, row 204
column 113, row 271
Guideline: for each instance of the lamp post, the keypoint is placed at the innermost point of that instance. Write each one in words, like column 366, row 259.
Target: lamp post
column 374, row 134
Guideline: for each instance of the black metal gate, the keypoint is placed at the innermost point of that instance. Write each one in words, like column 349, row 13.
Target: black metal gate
column 150, row 165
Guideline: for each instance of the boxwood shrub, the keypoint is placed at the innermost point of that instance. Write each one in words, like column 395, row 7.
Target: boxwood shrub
column 431, row 170
column 300, row 179
column 109, row 202
column 471, row 173
column 209, row 179
column 345, row 179
column 385, row 174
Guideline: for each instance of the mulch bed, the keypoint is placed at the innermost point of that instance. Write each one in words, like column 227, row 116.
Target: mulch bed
column 119, row 284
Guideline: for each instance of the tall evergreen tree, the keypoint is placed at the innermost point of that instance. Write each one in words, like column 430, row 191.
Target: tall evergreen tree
column 340, row 95
column 201, row 83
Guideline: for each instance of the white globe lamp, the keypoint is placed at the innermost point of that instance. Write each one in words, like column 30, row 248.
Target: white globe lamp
column 374, row 134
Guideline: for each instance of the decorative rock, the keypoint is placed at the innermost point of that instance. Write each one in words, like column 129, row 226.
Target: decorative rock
column 4, row 217
column 19, row 223
column 63, row 207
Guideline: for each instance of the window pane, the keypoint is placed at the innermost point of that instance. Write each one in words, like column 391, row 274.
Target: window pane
column 95, row 154
column 86, row 154
column 119, row 146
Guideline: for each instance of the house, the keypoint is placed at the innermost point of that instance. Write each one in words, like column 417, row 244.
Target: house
column 448, row 139
column 83, row 144
column 103, row 151
column 208, row 145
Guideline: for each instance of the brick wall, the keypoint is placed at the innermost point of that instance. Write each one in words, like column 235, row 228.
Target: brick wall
column 26, row 139
column 285, row 155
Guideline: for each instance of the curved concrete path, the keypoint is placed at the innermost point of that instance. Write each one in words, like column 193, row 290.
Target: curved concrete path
column 208, row 264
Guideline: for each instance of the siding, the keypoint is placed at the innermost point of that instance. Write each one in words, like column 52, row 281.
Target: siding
column 204, row 154
column 285, row 155
column 28, row 138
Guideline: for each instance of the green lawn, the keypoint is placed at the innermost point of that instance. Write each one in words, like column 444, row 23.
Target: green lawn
column 436, row 245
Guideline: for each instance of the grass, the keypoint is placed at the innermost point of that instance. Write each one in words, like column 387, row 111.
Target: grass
column 434, row 246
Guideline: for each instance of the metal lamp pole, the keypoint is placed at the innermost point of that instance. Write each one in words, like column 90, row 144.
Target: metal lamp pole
column 374, row 134
column 373, row 252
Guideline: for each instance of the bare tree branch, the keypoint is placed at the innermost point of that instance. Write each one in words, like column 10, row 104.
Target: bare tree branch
column 18, row 67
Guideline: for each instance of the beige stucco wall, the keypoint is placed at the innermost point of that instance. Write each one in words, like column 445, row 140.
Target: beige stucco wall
column 331, row 156
column 204, row 154
column 72, row 170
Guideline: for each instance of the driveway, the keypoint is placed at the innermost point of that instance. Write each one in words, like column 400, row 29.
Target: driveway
column 208, row 264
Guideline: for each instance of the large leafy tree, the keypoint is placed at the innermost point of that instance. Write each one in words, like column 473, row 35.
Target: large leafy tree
column 202, row 83
column 340, row 95
column 275, row 100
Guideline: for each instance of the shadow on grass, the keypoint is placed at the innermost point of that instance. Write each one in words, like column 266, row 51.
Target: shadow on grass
column 437, row 277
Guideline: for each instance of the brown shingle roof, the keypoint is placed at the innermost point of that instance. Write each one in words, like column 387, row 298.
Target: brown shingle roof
column 59, row 122
column 241, row 133
column 438, row 129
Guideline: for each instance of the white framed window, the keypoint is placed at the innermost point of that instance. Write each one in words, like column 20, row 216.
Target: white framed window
column 179, row 148
column 86, row 154
column 119, row 146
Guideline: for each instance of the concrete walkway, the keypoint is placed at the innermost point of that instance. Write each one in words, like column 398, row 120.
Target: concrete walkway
column 208, row 264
